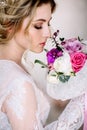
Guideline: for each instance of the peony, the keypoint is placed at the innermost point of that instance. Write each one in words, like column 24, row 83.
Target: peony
column 72, row 45
column 78, row 60
column 63, row 64
column 52, row 77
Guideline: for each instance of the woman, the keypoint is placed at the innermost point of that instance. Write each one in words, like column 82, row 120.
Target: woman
column 24, row 24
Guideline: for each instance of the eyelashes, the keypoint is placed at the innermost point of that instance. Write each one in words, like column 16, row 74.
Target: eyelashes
column 38, row 27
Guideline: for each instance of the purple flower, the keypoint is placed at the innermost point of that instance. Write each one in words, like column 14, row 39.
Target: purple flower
column 53, row 54
column 55, row 34
column 72, row 45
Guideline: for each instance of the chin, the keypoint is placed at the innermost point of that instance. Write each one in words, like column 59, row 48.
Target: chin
column 37, row 51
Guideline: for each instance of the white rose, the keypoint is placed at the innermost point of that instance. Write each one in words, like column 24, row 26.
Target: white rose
column 51, row 78
column 63, row 64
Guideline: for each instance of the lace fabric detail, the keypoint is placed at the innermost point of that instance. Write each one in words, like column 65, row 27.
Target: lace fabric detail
column 71, row 118
column 18, row 93
column 73, row 115
column 13, row 86
column 85, row 112
column 4, row 123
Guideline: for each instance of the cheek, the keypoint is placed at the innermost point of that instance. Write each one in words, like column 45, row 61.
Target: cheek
column 34, row 36
column 31, row 40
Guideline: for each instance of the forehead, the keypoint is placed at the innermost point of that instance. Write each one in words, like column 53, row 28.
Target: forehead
column 43, row 12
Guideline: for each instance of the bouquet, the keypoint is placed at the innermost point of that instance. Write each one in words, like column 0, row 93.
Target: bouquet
column 65, row 59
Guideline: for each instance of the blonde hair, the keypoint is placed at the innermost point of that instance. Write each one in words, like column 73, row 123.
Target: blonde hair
column 13, row 12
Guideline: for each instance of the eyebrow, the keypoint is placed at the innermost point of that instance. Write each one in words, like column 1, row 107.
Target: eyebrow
column 43, row 20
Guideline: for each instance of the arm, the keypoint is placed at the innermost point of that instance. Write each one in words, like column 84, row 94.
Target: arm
column 72, row 117
column 20, row 107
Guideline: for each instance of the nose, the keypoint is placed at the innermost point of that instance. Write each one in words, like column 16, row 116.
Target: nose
column 47, row 32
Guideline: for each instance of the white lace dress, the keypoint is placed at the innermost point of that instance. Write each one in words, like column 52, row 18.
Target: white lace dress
column 18, row 94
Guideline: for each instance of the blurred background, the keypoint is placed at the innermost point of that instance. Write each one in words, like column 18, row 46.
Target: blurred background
column 70, row 18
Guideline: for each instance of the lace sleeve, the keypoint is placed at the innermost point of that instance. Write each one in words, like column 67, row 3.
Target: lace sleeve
column 72, row 117
column 22, row 109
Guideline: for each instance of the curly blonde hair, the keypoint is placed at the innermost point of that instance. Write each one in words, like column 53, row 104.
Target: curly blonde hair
column 13, row 12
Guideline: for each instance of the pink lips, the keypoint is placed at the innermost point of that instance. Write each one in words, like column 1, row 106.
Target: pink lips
column 42, row 44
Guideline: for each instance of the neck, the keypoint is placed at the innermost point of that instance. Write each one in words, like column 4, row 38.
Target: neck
column 11, row 52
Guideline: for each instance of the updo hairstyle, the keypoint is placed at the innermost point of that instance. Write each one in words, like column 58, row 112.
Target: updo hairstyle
column 13, row 12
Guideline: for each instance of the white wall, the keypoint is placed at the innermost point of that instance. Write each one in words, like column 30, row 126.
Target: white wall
column 71, row 18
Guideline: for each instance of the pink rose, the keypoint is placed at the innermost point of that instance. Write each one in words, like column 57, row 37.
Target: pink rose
column 78, row 60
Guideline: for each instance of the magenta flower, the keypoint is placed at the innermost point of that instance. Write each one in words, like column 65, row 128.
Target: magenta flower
column 53, row 54
column 72, row 45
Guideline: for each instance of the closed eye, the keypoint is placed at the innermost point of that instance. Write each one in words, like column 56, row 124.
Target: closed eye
column 37, row 27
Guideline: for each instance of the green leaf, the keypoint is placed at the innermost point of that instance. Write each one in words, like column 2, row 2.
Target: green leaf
column 67, row 78
column 61, row 39
column 53, row 75
column 73, row 74
column 79, row 39
column 41, row 63
column 60, row 73
column 64, row 78
column 43, row 67
column 45, row 50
